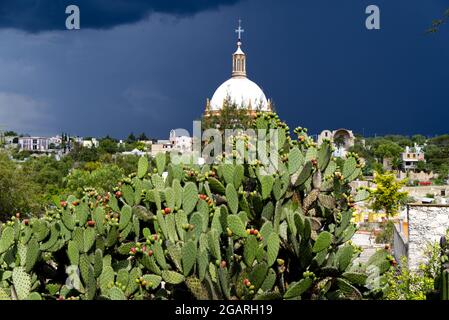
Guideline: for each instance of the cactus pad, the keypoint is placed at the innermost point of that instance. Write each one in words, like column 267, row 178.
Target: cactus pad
column 172, row 277
column 22, row 283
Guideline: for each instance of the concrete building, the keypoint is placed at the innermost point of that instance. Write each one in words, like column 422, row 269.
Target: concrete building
column 161, row 146
column 34, row 144
column 411, row 157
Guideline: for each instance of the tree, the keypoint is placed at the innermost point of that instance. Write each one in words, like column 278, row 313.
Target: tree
column 396, row 163
column 339, row 141
column 143, row 137
column 363, row 151
column 17, row 192
column 387, row 196
column 421, row 166
column 437, row 153
column 388, row 149
column 401, row 140
column 127, row 162
column 108, row 145
column 231, row 117
column 437, row 23
column 419, row 139
column 10, row 134
column 131, row 138
column 103, row 177
column 81, row 154
column 47, row 172
column 140, row 146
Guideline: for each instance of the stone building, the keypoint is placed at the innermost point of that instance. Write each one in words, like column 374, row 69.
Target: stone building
column 342, row 139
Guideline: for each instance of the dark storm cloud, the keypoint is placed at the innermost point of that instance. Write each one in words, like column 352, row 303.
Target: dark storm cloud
column 46, row 15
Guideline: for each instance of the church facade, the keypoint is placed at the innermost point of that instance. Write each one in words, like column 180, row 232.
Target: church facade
column 238, row 90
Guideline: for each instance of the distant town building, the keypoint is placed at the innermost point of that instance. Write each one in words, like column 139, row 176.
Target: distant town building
column 90, row 143
column 181, row 140
column 34, row 144
column 342, row 139
column 411, row 157
column 387, row 164
column 56, row 141
column 10, row 141
column 161, row 146
column 147, row 143
column 77, row 140
column 135, row 152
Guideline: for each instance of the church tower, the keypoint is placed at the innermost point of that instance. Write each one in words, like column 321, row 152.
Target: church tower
column 239, row 57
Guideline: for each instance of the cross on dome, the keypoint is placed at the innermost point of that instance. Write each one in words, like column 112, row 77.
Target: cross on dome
column 240, row 30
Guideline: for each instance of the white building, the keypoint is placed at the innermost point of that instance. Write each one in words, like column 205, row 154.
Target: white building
column 92, row 143
column 56, row 140
column 34, row 144
column 181, row 140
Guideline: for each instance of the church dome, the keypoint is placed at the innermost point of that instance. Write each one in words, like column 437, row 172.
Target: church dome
column 241, row 91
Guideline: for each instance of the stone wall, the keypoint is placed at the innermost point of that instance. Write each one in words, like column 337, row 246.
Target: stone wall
column 400, row 245
column 419, row 176
column 423, row 191
column 427, row 223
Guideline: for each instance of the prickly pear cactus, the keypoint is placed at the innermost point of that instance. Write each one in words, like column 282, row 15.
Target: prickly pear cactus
column 221, row 231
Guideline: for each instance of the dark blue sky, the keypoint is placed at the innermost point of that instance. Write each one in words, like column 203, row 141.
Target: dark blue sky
column 148, row 66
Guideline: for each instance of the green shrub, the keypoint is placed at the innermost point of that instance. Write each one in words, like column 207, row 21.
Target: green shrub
column 386, row 234
column 404, row 284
